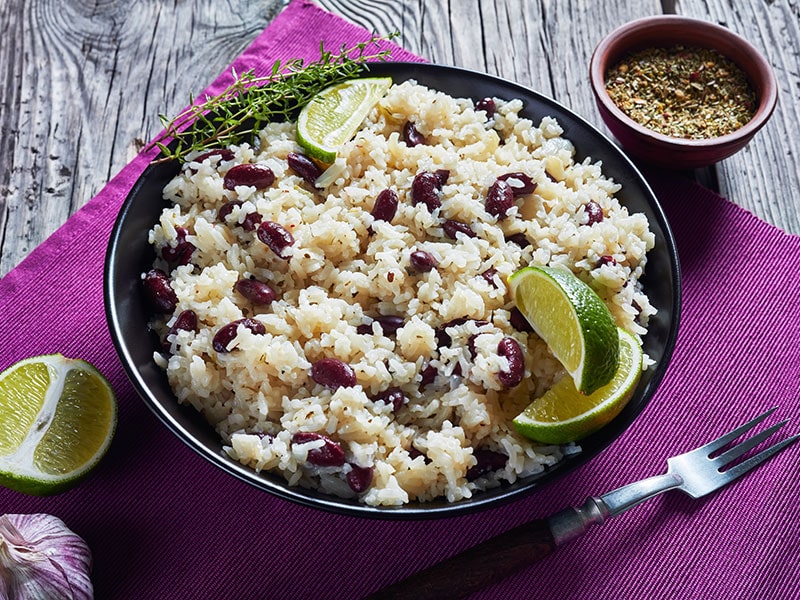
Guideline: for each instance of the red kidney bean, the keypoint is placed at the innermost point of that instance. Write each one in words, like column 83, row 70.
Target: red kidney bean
column 390, row 323
column 607, row 260
column 471, row 345
column 520, row 183
column 594, row 213
column 181, row 252
column 499, row 199
column 227, row 208
column 251, row 220
column 223, row 153
column 487, row 461
column 518, row 321
column 425, row 189
column 227, row 333
column 256, row 291
column 442, row 175
column 304, row 167
column 257, row 176
column 414, row 452
column 385, row 206
column 520, row 239
column 330, row 454
column 510, row 348
column 393, row 396
column 359, row 478
column 488, row 275
column 443, row 339
column 159, row 293
column 487, row 105
column 333, row 373
column 411, row 135
column 454, row 322
column 452, row 227
column 276, row 237
column 428, row 375
column 186, row 321
column 422, row 261
column 471, row 340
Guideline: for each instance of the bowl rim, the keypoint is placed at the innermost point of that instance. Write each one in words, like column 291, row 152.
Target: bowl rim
column 615, row 40
column 490, row 498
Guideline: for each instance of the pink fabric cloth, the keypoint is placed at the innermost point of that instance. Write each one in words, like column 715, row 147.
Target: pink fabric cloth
column 163, row 523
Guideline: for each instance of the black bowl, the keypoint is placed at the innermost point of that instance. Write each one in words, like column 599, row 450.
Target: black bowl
column 129, row 255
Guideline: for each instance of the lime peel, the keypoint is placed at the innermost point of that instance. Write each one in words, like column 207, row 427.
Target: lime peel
column 331, row 117
column 572, row 320
column 563, row 414
column 59, row 417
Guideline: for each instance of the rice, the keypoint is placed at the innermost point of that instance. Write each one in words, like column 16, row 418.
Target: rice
column 347, row 268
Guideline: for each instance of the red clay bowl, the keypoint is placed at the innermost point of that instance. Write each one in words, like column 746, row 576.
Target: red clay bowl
column 665, row 31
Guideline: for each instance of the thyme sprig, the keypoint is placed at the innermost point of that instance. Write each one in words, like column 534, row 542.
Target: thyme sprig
column 250, row 102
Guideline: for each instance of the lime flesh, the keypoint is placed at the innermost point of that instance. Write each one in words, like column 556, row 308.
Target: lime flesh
column 563, row 414
column 58, row 418
column 332, row 117
column 572, row 320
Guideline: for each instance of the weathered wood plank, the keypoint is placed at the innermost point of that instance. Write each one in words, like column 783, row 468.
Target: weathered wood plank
column 543, row 45
column 765, row 177
column 81, row 82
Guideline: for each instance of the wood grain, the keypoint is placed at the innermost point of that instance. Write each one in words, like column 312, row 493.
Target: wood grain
column 475, row 568
column 765, row 176
column 82, row 83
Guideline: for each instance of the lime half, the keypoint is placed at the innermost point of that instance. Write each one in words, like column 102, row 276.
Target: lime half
column 572, row 320
column 332, row 117
column 58, row 416
column 565, row 415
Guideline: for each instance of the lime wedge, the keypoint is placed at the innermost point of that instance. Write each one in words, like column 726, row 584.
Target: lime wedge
column 332, row 117
column 565, row 415
column 58, row 416
column 572, row 320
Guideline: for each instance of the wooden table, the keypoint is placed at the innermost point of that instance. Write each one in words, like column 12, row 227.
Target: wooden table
column 83, row 82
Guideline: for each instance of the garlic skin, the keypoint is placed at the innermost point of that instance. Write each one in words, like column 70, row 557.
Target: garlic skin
column 40, row 558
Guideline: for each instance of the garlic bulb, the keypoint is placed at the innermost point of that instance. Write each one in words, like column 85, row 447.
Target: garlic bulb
column 41, row 559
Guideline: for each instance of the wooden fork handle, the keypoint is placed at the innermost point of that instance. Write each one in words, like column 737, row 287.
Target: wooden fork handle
column 476, row 567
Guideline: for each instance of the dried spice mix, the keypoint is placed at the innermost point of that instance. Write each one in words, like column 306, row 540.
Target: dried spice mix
column 682, row 91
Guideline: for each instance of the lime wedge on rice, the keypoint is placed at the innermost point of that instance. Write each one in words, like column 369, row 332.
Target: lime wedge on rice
column 332, row 116
column 58, row 416
column 565, row 415
column 572, row 320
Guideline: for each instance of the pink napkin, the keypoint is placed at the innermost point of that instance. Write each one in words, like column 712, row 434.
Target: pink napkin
column 163, row 523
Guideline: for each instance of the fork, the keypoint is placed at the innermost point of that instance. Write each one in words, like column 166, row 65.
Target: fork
column 696, row 473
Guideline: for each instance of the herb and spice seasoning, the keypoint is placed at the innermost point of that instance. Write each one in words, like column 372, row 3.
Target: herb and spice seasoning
column 682, row 92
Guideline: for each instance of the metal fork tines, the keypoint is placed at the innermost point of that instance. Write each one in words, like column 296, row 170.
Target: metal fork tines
column 702, row 472
column 696, row 473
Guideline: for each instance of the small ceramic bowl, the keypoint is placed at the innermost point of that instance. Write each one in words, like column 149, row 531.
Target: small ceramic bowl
column 661, row 150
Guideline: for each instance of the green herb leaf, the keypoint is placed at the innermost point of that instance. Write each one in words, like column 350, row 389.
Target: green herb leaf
column 240, row 111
